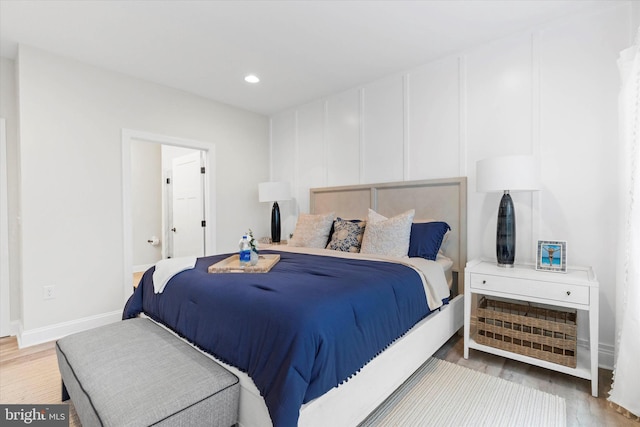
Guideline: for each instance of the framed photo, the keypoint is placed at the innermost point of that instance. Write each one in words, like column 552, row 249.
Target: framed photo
column 552, row 255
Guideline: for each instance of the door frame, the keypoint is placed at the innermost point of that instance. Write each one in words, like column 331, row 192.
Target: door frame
column 5, row 284
column 128, row 135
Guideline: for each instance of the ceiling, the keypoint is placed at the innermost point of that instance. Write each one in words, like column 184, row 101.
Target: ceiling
column 301, row 50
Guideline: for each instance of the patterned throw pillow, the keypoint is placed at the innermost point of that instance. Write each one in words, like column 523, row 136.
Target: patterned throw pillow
column 312, row 231
column 347, row 235
column 387, row 236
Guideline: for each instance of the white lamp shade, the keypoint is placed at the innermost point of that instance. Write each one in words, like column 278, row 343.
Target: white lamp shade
column 274, row 191
column 512, row 173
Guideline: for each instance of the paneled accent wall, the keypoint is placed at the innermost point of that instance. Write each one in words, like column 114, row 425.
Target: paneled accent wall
column 433, row 133
column 403, row 127
column 551, row 92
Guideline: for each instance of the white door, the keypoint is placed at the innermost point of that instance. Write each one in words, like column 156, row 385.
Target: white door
column 188, row 206
column 5, row 306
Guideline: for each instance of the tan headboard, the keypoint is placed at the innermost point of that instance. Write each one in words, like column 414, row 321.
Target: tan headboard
column 438, row 199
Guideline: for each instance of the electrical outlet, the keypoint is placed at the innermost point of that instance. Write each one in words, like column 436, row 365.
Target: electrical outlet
column 49, row 292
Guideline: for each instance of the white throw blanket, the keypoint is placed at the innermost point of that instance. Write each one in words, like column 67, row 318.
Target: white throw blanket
column 167, row 268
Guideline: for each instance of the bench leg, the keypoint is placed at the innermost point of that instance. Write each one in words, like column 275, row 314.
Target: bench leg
column 65, row 393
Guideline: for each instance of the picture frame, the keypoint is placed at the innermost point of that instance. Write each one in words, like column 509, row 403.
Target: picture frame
column 551, row 255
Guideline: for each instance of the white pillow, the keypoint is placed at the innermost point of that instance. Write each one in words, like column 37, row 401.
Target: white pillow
column 387, row 236
column 312, row 231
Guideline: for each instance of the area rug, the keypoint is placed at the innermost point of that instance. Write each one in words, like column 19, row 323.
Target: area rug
column 441, row 393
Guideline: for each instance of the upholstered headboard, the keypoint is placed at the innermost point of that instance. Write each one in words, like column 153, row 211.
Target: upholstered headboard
column 437, row 199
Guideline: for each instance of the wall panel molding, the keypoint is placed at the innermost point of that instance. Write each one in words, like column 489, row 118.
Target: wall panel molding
column 462, row 115
column 535, row 129
column 5, row 284
column 325, row 142
column 549, row 91
column 406, row 136
column 361, row 135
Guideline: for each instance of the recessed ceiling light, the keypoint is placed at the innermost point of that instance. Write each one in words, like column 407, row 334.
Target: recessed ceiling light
column 251, row 78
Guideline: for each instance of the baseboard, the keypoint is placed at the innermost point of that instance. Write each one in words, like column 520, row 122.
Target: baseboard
column 605, row 354
column 36, row 336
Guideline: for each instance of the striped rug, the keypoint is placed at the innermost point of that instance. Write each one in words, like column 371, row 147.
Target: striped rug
column 443, row 394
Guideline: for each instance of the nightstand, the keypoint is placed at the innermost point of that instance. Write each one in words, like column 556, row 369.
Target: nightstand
column 577, row 289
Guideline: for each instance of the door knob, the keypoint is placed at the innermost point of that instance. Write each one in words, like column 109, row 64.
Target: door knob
column 173, row 229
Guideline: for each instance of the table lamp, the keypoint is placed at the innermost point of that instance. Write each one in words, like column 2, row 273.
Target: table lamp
column 506, row 174
column 272, row 192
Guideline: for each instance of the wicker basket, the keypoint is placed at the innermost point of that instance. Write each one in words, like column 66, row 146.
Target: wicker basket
column 538, row 332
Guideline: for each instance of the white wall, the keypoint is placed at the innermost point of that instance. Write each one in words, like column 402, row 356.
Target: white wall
column 9, row 111
column 71, row 119
column 550, row 92
column 635, row 17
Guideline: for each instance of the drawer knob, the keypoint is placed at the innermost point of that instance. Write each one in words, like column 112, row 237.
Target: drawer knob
column 484, row 282
column 568, row 292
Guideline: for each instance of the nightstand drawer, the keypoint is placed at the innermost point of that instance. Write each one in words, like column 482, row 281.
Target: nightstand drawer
column 553, row 291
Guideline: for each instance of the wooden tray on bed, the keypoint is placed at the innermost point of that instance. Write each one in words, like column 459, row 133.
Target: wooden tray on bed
column 232, row 265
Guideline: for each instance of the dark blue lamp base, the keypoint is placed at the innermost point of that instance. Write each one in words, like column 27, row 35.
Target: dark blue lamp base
column 275, row 223
column 506, row 232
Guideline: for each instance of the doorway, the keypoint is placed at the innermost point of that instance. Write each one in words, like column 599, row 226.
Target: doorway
column 151, row 157
column 183, row 219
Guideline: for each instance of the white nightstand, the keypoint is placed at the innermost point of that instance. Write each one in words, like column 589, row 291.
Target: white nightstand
column 577, row 289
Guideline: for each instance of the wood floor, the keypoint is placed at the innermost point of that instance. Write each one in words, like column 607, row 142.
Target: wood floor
column 31, row 376
column 136, row 278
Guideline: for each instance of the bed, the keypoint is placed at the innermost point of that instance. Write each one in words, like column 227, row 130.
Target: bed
column 338, row 387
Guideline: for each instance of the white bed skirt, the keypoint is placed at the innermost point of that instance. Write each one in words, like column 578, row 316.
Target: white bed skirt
column 350, row 403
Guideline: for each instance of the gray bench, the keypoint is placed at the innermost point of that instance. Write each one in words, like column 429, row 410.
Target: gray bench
column 136, row 373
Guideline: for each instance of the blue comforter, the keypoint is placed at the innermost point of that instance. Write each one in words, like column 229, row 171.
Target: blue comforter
column 297, row 331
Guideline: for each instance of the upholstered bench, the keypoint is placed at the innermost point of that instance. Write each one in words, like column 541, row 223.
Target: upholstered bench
column 136, row 373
